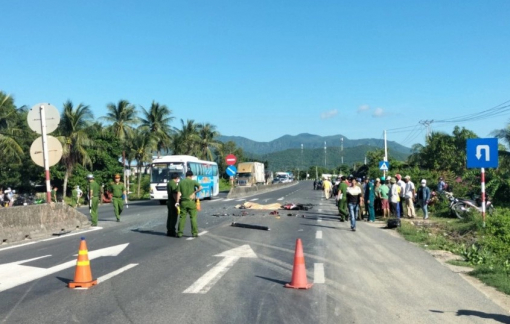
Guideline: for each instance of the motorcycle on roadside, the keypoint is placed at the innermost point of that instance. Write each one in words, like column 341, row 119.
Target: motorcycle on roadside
column 461, row 207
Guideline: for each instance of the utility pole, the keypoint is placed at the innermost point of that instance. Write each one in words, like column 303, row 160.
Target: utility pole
column 427, row 123
column 302, row 159
column 342, row 150
column 325, row 154
column 385, row 151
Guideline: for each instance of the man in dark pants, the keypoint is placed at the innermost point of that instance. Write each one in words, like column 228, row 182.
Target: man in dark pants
column 186, row 195
column 171, row 189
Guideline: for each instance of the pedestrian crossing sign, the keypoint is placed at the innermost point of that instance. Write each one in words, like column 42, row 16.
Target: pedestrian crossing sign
column 384, row 165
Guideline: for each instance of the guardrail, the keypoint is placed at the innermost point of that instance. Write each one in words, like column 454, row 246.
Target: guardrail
column 239, row 192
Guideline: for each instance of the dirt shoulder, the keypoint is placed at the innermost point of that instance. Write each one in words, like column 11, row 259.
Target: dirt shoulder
column 444, row 257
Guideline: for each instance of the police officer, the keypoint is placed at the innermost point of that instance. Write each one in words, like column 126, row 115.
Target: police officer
column 186, row 195
column 74, row 197
column 171, row 189
column 94, row 193
column 54, row 194
column 118, row 191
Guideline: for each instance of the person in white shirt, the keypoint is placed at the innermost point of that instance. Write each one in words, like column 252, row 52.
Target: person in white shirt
column 409, row 193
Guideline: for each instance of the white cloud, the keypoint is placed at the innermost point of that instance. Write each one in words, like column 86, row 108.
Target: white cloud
column 329, row 114
column 378, row 112
column 363, row 108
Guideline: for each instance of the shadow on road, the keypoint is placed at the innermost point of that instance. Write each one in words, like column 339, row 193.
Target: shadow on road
column 137, row 230
column 465, row 312
column 273, row 280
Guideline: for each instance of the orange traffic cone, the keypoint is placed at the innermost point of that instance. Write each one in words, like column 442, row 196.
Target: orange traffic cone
column 299, row 280
column 83, row 274
column 199, row 208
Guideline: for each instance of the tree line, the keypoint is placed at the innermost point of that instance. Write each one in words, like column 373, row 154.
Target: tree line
column 98, row 144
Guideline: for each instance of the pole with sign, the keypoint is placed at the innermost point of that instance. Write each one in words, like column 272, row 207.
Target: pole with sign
column 482, row 153
column 44, row 118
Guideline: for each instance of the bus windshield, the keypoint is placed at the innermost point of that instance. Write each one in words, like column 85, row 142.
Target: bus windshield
column 162, row 172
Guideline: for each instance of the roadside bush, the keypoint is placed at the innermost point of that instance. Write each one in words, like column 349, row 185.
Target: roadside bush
column 496, row 236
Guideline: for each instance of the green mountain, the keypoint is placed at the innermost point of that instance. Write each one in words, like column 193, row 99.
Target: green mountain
column 310, row 141
column 294, row 158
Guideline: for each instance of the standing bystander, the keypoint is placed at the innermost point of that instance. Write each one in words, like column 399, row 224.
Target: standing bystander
column 424, row 197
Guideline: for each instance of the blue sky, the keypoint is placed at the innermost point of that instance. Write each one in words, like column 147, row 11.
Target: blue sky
column 263, row 69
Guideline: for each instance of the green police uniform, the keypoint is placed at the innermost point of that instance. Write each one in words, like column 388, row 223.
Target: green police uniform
column 96, row 192
column 342, row 203
column 54, row 195
column 171, row 189
column 188, row 206
column 117, row 190
column 74, row 197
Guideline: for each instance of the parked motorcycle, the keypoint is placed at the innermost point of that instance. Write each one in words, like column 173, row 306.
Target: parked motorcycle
column 462, row 206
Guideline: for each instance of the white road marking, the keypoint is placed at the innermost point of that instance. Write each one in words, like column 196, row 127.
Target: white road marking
column 52, row 238
column 240, row 199
column 199, row 234
column 254, row 199
column 230, row 199
column 116, row 272
column 318, row 234
column 282, row 198
column 319, row 219
column 16, row 273
column 318, row 273
column 230, row 257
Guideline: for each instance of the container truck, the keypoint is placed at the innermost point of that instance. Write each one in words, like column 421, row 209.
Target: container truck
column 250, row 174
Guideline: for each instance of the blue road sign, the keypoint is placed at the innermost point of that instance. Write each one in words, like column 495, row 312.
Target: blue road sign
column 482, row 153
column 231, row 170
column 384, row 165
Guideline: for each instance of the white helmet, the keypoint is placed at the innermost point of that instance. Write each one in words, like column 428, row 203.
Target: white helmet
column 90, row 176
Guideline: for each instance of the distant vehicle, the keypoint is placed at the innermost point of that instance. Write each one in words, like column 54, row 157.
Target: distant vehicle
column 283, row 177
column 250, row 173
column 162, row 169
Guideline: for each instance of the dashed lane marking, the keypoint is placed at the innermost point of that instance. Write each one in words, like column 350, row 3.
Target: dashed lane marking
column 318, row 273
column 282, row 198
column 254, row 199
column 116, row 272
column 199, row 234
column 318, row 235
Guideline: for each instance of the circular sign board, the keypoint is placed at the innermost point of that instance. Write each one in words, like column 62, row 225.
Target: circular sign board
column 54, row 151
column 231, row 159
column 51, row 115
column 231, row 170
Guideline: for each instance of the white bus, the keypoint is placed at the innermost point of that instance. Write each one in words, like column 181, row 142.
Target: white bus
column 205, row 172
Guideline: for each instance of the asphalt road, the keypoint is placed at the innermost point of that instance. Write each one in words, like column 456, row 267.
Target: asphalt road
column 236, row 275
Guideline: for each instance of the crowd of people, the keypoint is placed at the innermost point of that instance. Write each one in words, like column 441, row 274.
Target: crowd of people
column 363, row 198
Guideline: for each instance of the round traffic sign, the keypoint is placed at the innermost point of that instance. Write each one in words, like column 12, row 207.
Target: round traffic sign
column 231, row 159
column 54, row 151
column 52, row 118
column 231, row 170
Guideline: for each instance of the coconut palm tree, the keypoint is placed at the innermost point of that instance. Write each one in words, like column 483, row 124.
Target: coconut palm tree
column 73, row 129
column 156, row 121
column 10, row 149
column 186, row 140
column 141, row 144
column 208, row 135
column 122, row 117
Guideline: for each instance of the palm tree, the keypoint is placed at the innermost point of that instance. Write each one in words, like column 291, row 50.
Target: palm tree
column 156, row 122
column 10, row 149
column 142, row 145
column 74, row 124
column 122, row 118
column 208, row 135
column 186, row 140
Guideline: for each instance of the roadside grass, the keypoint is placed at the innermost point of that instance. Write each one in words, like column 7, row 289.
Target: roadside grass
column 224, row 185
column 485, row 249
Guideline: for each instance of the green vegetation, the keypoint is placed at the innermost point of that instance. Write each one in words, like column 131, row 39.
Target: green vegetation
column 485, row 249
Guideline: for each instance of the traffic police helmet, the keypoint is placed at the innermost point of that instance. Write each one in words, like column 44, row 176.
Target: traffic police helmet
column 90, row 176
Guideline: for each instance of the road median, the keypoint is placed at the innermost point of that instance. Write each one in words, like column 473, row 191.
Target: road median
column 37, row 221
column 240, row 192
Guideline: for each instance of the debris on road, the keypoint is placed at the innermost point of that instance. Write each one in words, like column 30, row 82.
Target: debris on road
column 293, row 206
column 252, row 226
column 251, row 205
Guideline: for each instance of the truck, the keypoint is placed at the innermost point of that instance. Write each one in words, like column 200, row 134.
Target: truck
column 250, row 174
